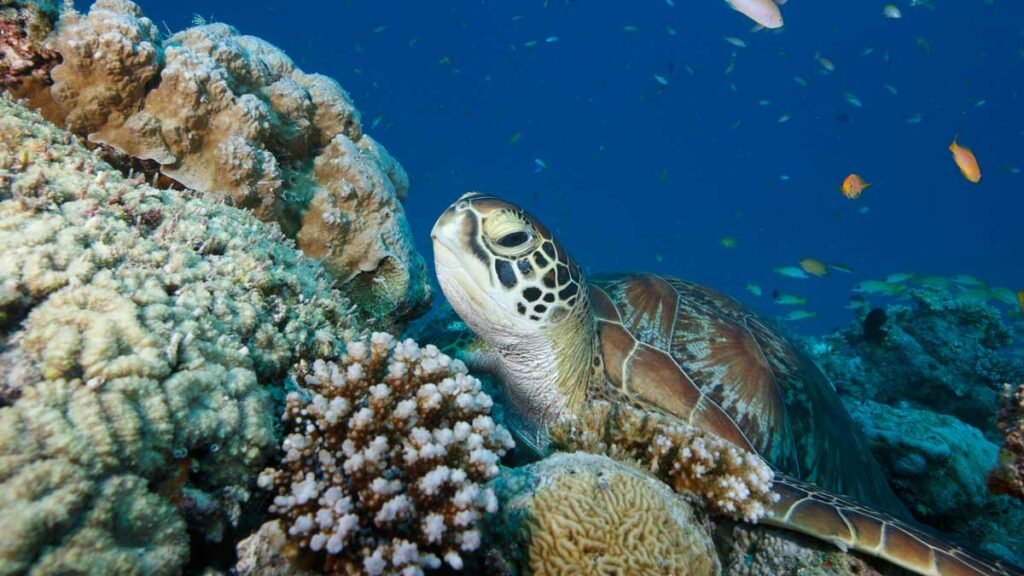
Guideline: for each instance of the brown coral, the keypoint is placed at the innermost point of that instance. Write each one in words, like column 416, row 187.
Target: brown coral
column 1008, row 476
column 728, row 480
column 385, row 456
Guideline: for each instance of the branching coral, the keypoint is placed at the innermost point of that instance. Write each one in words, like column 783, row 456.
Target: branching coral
column 586, row 514
column 728, row 479
column 1008, row 476
column 140, row 328
column 384, row 459
column 231, row 116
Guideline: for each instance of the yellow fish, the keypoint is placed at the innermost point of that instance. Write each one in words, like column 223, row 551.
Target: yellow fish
column 853, row 186
column 966, row 161
column 812, row 266
column 729, row 242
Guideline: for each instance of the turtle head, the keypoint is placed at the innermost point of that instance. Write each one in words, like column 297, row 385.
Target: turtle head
column 502, row 271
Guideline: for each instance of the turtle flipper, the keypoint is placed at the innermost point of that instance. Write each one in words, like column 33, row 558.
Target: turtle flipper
column 805, row 508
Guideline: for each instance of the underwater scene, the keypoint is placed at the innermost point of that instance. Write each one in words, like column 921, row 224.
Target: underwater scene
column 549, row 287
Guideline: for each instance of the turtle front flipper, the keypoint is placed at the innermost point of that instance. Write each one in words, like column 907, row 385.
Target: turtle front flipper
column 850, row 526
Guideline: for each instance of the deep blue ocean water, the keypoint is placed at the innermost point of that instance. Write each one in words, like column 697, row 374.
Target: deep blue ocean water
column 645, row 176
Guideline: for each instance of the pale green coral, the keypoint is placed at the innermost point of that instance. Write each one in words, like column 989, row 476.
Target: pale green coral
column 140, row 329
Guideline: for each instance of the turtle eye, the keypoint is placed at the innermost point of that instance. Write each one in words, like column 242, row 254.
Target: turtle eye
column 514, row 239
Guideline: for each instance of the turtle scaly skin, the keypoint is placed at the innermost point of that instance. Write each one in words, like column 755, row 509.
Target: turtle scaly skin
column 681, row 349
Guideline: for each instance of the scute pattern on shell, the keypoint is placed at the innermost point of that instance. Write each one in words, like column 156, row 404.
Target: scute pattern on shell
column 694, row 353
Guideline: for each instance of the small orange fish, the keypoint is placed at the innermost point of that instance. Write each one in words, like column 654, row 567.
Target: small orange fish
column 966, row 161
column 812, row 266
column 853, row 186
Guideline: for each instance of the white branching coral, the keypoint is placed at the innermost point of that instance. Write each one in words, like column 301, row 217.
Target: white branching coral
column 385, row 458
column 728, row 479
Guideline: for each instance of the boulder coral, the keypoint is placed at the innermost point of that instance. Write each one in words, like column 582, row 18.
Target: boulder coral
column 587, row 514
column 231, row 116
column 385, row 459
column 140, row 331
column 727, row 479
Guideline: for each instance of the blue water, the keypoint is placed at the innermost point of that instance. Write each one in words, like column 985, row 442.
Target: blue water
column 642, row 176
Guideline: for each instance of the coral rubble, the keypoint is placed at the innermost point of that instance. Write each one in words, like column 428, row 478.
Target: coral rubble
column 385, row 458
column 587, row 514
column 140, row 330
column 727, row 479
column 231, row 116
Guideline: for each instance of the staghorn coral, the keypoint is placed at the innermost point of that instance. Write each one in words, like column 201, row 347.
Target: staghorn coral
column 384, row 459
column 1008, row 475
column 140, row 329
column 587, row 514
column 231, row 116
column 727, row 479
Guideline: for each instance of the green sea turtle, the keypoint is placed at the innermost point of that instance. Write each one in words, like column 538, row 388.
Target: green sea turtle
column 557, row 341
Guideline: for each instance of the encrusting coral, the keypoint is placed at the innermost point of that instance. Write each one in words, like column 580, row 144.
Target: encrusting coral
column 587, row 514
column 231, row 116
column 1008, row 475
column 140, row 330
column 385, row 457
column 727, row 479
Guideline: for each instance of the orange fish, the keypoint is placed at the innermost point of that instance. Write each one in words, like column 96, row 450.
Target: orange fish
column 812, row 266
column 853, row 186
column 966, row 161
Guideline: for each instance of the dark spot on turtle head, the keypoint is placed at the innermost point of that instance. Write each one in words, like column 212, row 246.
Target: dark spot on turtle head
column 540, row 308
column 534, row 317
column 506, row 275
column 549, row 249
column 520, row 308
column 549, row 297
column 563, row 274
column 524, row 266
column 571, row 302
column 574, row 272
column 568, row 292
column 597, row 360
column 549, row 279
column 531, row 294
column 540, row 260
column 470, row 229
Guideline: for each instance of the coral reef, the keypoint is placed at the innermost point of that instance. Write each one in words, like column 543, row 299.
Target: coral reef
column 945, row 353
column 587, row 514
column 269, row 552
column 760, row 550
column 230, row 115
column 937, row 465
column 727, row 479
column 139, row 329
column 385, row 458
column 1008, row 475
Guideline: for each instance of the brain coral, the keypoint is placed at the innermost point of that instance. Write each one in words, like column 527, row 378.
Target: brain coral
column 230, row 115
column 385, row 458
column 727, row 479
column 586, row 514
column 139, row 330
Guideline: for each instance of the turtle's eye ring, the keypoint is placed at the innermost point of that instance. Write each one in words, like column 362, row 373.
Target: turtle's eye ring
column 514, row 239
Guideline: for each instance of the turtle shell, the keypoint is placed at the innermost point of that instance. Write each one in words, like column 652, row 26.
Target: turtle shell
column 690, row 351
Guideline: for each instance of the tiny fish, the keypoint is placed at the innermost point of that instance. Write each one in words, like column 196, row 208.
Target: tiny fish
column 671, row 31
column 853, row 186
column 892, row 11
column 731, row 65
column 825, row 63
column 800, row 315
column 799, row 80
column 790, row 272
column 812, row 266
column 729, row 242
column 840, row 267
column 376, row 121
column 380, row 29
column 541, row 165
column 857, row 303
column 754, row 289
column 853, row 100
column 784, row 118
column 736, row 41
column 935, row 282
column 670, row 3
column 515, row 138
column 764, row 102
column 661, row 79
column 966, row 161
column 876, row 287
column 790, row 300
column 551, row 39
column 445, row 60
column 967, row 280
column 530, row 44
column 1004, row 295
column 915, row 119
column 898, row 277
column 630, row 28
column 892, row 89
